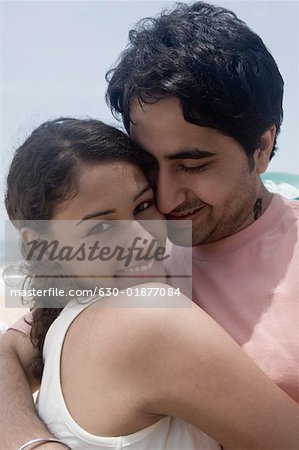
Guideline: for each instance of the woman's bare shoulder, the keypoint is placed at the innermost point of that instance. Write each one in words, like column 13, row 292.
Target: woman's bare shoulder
column 137, row 317
column 145, row 316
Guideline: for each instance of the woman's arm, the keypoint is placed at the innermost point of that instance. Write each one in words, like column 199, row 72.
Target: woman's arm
column 189, row 367
column 19, row 422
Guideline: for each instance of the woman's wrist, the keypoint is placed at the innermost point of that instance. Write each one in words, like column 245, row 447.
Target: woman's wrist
column 49, row 446
column 44, row 444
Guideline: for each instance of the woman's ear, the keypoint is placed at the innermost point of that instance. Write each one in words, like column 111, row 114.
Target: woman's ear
column 29, row 235
column 263, row 152
column 35, row 245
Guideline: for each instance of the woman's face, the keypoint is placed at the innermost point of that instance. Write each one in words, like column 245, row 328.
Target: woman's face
column 110, row 201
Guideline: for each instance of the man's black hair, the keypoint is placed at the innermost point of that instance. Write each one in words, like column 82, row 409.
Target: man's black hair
column 219, row 69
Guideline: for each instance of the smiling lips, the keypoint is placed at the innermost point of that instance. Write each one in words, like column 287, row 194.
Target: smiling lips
column 185, row 215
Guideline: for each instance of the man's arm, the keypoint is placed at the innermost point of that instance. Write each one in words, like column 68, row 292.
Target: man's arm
column 19, row 422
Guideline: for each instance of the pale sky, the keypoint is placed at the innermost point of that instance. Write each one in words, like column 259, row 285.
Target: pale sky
column 54, row 55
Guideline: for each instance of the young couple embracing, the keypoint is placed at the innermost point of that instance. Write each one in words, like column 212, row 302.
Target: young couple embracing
column 200, row 97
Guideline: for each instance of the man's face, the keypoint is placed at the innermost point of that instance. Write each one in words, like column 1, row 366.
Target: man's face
column 203, row 175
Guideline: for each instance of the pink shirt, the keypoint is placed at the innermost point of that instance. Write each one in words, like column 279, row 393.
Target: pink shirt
column 248, row 283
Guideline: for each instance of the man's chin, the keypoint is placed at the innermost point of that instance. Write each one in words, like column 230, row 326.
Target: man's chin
column 205, row 236
column 185, row 240
column 178, row 235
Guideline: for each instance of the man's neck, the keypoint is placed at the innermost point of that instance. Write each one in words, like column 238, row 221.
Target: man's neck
column 263, row 200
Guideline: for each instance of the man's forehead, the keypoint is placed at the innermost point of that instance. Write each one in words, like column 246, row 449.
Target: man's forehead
column 159, row 125
column 169, row 106
column 170, row 136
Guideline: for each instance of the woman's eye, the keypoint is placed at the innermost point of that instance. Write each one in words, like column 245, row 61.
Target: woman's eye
column 143, row 206
column 99, row 228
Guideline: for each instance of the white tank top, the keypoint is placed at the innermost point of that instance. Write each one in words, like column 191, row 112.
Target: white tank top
column 168, row 433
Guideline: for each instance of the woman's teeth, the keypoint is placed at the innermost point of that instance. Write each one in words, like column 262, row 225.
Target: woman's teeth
column 140, row 268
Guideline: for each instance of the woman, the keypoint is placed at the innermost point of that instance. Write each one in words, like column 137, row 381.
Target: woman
column 119, row 373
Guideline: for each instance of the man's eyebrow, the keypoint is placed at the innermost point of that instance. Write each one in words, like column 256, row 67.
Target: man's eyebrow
column 191, row 154
column 96, row 214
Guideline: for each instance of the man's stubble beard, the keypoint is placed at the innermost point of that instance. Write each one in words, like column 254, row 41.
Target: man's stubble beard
column 238, row 210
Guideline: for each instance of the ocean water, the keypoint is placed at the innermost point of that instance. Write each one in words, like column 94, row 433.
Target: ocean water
column 9, row 261
column 284, row 184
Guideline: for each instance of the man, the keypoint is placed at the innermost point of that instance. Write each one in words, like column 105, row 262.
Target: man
column 202, row 96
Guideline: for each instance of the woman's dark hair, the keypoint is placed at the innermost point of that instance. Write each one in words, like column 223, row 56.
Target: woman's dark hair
column 43, row 174
column 219, row 69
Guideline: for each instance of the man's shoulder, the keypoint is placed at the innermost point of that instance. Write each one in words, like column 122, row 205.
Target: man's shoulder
column 293, row 202
column 287, row 209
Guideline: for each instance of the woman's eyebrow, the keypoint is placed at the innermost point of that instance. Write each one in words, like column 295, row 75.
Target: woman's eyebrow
column 191, row 154
column 97, row 214
column 143, row 190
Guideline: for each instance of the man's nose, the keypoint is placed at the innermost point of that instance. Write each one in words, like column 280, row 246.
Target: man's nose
column 169, row 192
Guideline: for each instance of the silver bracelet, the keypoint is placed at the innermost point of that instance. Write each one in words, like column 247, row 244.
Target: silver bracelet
column 42, row 441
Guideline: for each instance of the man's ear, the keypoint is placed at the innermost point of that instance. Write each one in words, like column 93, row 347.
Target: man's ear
column 263, row 152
